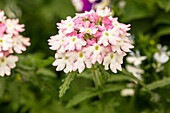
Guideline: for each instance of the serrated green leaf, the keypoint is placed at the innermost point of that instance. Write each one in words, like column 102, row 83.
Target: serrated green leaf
column 92, row 92
column 82, row 96
column 158, row 84
column 66, row 83
column 104, row 73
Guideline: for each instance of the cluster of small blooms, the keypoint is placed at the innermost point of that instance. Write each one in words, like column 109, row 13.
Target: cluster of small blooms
column 161, row 57
column 87, row 5
column 136, row 60
column 88, row 38
column 10, row 41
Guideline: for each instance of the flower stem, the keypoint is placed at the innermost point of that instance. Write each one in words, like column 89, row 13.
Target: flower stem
column 96, row 78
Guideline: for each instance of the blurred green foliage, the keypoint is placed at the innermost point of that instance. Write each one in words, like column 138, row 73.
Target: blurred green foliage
column 34, row 85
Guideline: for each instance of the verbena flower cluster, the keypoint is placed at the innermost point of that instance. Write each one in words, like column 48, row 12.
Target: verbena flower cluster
column 10, row 41
column 88, row 38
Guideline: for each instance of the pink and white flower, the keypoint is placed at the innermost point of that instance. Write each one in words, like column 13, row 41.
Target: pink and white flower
column 74, row 43
column 108, row 37
column 122, row 45
column 5, row 42
column 104, row 13
column 88, row 38
column 114, row 60
column 19, row 43
column 95, row 53
column 2, row 29
column 89, row 28
column 10, row 41
column 67, row 26
column 63, row 62
column 56, row 42
column 6, row 64
column 81, row 61
column 13, row 27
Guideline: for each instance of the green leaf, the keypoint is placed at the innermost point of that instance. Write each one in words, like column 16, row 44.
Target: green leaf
column 46, row 72
column 161, row 32
column 66, row 83
column 158, row 84
column 82, row 96
column 13, row 89
column 137, row 10
column 139, row 24
column 139, row 81
column 86, row 74
column 117, row 78
column 162, row 18
column 2, row 86
column 60, row 10
column 164, row 4
column 24, row 67
column 112, row 88
column 92, row 92
column 46, row 62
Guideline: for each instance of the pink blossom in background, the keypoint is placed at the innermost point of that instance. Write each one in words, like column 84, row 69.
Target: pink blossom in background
column 88, row 38
column 10, row 41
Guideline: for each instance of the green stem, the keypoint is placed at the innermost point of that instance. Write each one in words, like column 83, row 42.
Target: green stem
column 96, row 78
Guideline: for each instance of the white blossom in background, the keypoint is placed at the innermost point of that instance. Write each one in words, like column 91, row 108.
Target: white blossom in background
column 127, row 92
column 161, row 57
column 136, row 71
column 135, row 60
column 121, row 5
column 10, row 41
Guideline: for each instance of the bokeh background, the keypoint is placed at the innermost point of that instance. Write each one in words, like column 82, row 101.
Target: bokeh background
column 34, row 85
